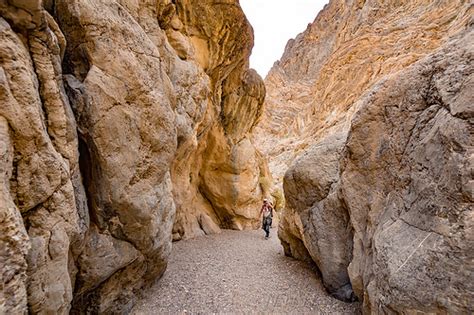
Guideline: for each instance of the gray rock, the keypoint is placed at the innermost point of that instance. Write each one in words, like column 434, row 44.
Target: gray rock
column 208, row 225
column 396, row 221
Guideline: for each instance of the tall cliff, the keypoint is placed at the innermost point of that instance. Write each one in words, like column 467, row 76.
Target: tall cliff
column 368, row 122
column 122, row 124
column 346, row 50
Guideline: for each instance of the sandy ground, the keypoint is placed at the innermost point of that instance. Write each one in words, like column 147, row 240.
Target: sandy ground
column 238, row 272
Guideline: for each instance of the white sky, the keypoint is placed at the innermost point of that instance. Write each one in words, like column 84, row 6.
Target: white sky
column 274, row 23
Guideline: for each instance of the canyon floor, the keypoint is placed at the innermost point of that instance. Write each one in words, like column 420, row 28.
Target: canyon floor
column 238, row 272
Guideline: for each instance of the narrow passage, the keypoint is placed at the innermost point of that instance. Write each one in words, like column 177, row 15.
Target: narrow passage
column 238, row 272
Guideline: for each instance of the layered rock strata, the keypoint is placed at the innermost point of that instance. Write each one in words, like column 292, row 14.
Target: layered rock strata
column 346, row 50
column 373, row 108
column 122, row 123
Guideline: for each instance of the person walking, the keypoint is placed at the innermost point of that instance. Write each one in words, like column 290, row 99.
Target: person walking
column 267, row 214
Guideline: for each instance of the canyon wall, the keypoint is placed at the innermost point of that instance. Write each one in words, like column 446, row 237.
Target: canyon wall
column 346, row 50
column 123, row 124
column 368, row 122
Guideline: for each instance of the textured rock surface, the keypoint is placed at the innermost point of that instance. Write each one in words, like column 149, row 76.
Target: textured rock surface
column 207, row 225
column 14, row 243
column 347, row 49
column 43, row 170
column 408, row 186
column 217, row 167
column 116, row 119
column 379, row 191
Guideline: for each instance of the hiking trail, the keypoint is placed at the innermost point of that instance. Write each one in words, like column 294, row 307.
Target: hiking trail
column 238, row 272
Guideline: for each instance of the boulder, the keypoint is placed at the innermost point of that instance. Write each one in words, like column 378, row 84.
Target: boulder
column 208, row 225
column 391, row 219
column 367, row 124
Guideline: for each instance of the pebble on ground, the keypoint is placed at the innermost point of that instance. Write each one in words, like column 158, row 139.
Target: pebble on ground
column 238, row 272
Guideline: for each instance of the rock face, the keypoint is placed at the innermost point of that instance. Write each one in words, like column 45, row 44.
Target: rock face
column 372, row 109
column 349, row 47
column 122, row 123
column 408, row 187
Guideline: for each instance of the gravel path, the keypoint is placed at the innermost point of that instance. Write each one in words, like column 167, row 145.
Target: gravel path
column 238, row 272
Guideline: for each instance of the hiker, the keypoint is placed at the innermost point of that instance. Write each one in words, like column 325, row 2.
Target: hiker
column 267, row 214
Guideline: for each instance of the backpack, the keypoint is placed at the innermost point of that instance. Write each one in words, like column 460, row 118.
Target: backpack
column 269, row 213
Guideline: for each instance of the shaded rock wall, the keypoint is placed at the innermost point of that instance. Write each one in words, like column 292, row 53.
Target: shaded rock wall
column 374, row 103
column 119, row 121
column 407, row 184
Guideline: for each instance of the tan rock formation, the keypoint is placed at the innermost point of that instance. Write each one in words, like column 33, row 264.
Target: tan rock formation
column 347, row 49
column 14, row 243
column 218, row 168
column 164, row 103
column 376, row 130
column 44, row 168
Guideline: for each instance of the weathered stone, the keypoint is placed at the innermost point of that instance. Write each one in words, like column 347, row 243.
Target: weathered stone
column 45, row 155
column 14, row 243
column 216, row 178
column 108, row 112
column 373, row 119
column 101, row 257
column 321, row 221
column 348, row 48
column 208, row 225
column 405, row 184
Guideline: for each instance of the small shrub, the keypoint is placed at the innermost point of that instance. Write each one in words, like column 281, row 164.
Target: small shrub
column 279, row 199
column 265, row 185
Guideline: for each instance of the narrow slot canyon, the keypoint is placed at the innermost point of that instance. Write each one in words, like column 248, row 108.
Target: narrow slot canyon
column 137, row 145
column 238, row 272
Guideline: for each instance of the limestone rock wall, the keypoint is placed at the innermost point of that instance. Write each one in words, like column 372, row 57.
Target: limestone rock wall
column 116, row 119
column 371, row 108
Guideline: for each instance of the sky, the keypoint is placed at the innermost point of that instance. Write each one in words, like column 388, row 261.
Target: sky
column 274, row 23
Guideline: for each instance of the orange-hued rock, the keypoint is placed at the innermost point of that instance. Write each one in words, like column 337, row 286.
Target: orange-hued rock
column 367, row 122
column 347, row 49
column 123, row 124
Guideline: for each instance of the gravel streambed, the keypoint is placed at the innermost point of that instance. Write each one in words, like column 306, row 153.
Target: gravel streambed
column 238, row 272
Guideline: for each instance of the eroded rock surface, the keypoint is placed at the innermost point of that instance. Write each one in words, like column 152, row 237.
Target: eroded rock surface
column 116, row 118
column 349, row 47
column 375, row 106
column 408, row 188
